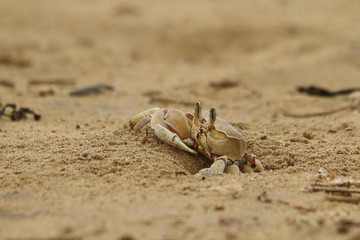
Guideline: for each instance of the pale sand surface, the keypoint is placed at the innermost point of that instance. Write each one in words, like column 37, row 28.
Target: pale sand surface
column 103, row 182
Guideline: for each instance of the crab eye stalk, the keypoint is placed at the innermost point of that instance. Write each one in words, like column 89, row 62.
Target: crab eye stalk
column 212, row 116
column 198, row 110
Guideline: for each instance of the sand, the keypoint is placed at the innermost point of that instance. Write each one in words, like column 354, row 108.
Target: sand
column 80, row 173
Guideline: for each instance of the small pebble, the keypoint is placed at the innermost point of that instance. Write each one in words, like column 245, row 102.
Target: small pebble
column 219, row 208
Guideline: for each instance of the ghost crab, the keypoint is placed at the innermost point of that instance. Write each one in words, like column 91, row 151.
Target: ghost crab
column 211, row 136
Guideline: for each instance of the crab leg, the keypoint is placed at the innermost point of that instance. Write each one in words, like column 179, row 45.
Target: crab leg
column 139, row 125
column 221, row 165
column 232, row 169
column 139, row 121
column 230, row 166
column 246, row 168
column 171, row 138
column 252, row 159
column 259, row 166
column 218, row 166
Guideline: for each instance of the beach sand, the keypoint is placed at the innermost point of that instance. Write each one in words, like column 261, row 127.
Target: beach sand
column 80, row 173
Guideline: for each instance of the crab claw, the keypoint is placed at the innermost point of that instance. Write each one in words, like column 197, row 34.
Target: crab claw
column 171, row 138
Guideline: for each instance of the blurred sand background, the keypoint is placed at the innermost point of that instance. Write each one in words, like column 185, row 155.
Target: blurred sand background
column 100, row 181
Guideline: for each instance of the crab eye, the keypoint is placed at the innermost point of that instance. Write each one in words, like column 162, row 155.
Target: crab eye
column 198, row 110
column 212, row 115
